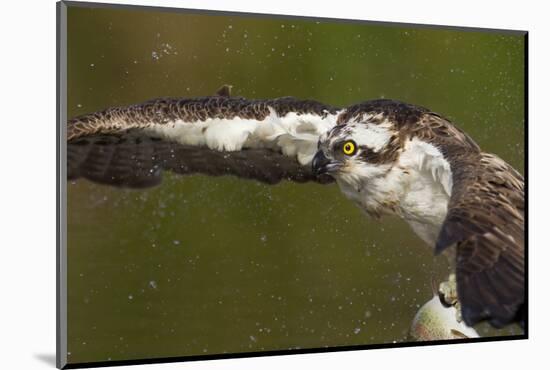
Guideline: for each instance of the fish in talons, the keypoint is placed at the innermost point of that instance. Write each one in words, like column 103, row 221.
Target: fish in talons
column 439, row 320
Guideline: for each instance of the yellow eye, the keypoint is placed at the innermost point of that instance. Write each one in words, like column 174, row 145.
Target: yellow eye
column 349, row 148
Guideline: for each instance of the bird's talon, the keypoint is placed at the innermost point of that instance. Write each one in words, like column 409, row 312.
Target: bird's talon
column 447, row 291
column 448, row 295
column 458, row 311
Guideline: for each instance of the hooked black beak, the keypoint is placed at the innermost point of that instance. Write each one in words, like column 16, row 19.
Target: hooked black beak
column 320, row 163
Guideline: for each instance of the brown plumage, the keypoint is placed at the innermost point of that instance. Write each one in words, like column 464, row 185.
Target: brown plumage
column 112, row 146
column 485, row 217
column 485, row 214
column 165, row 110
column 133, row 160
column 486, row 221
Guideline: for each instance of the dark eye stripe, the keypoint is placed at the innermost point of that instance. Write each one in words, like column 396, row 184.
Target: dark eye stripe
column 385, row 156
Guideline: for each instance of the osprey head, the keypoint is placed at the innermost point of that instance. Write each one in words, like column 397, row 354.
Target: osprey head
column 379, row 163
column 358, row 151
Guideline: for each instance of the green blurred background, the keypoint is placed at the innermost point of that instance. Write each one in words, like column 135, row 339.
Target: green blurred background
column 205, row 265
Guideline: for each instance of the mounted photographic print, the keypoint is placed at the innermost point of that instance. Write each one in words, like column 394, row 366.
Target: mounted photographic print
column 235, row 184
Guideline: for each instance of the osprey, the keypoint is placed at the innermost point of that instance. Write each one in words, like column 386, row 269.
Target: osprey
column 386, row 156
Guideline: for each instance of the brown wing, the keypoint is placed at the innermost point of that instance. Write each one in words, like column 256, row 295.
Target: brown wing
column 135, row 160
column 486, row 221
column 131, row 146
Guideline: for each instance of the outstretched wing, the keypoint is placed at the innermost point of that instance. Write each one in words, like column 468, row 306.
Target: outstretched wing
column 485, row 220
column 265, row 140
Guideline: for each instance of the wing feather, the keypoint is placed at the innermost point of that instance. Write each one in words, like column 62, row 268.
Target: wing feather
column 485, row 220
column 265, row 140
